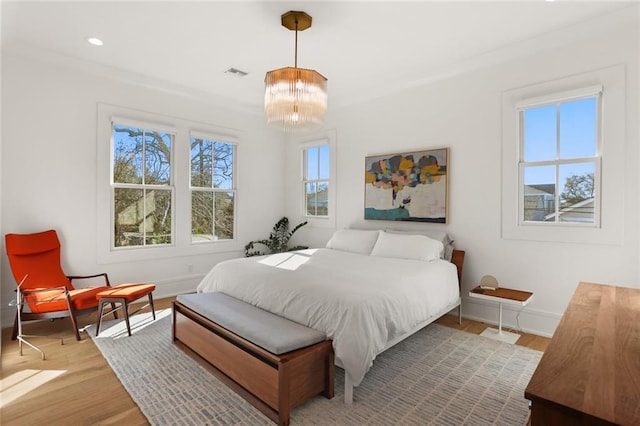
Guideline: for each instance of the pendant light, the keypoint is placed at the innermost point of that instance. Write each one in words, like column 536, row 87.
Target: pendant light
column 295, row 98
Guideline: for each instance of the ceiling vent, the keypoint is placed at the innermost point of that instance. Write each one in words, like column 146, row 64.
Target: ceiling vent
column 236, row 72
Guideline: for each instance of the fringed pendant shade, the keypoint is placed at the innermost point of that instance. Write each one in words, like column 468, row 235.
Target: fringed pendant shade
column 295, row 98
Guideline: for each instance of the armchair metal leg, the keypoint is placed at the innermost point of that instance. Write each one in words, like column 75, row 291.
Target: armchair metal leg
column 22, row 338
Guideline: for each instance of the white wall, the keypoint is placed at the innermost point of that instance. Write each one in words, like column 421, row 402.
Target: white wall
column 49, row 168
column 463, row 112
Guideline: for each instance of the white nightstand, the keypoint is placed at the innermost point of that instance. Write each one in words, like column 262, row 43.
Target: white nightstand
column 502, row 295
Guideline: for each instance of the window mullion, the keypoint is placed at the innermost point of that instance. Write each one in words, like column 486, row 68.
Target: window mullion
column 213, row 165
column 144, row 216
column 139, row 186
column 144, row 189
column 317, row 179
column 557, row 195
column 560, row 162
column 557, row 131
column 557, row 178
column 213, row 207
column 317, row 165
column 144, row 154
column 213, row 189
column 304, row 196
column 315, row 196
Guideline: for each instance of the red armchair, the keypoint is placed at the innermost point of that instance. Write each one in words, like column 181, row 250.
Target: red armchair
column 47, row 291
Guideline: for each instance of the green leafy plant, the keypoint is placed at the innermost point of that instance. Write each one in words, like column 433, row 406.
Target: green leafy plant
column 278, row 240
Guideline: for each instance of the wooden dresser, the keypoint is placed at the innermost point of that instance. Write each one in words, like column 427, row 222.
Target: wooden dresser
column 590, row 373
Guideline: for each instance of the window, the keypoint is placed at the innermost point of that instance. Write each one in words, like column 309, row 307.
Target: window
column 559, row 165
column 563, row 159
column 212, row 189
column 315, row 181
column 166, row 186
column 142, row 186
column 315, row 190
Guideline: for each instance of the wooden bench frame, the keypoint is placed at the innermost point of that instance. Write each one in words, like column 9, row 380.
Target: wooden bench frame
column 274, row 384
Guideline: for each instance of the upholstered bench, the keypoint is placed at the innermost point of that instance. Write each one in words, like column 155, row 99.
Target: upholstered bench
column 272, row 362
column 124, row 294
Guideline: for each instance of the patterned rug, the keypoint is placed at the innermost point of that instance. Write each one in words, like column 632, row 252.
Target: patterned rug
column 439, row 376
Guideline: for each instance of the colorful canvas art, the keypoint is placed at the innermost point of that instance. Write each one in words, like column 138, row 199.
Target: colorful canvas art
column 407, row 186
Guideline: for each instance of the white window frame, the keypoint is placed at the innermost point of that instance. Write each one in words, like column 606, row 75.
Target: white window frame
column 610, row 186
column 230, row 141
column 181, row 222
column 596, row 159
column 323, row 138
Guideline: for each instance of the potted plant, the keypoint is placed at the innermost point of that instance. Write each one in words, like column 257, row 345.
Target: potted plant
column 278, row 241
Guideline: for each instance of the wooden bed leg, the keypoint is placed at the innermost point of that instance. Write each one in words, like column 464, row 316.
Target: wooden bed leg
column 348, row 389
column 460, row 313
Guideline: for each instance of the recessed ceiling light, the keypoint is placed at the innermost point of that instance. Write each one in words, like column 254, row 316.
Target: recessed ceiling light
column 95, row 41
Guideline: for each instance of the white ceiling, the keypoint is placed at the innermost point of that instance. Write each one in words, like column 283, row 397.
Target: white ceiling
column 361, row 47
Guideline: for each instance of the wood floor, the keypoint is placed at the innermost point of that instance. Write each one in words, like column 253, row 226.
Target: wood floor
column 76, row 386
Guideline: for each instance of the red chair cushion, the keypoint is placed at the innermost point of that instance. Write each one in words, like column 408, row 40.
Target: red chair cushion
column 39, row 242
column 130, row 292
column 36, row 256
column 55, row 300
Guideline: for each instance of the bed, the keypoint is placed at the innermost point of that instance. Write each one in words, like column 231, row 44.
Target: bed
column 367, row 290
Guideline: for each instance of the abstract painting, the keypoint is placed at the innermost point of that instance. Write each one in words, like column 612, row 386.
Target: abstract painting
column 410, row 186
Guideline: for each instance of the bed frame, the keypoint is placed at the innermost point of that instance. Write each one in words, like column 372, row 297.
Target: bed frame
column 457, row 259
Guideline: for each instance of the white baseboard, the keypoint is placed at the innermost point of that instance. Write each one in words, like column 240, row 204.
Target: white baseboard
column 177, row 285
column 534, row 321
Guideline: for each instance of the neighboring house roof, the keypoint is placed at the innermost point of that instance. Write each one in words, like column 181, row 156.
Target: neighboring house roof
column 543, row 188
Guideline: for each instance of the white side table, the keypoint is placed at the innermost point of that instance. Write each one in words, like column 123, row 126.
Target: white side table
column 502, row 295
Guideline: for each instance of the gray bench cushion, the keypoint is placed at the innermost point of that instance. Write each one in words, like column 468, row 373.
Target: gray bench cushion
column 276, row 334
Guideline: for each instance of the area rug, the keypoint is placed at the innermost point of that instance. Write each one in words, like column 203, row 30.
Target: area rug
column 439, row 376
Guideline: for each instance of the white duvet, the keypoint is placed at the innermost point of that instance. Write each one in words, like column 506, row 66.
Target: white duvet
column 359, row 301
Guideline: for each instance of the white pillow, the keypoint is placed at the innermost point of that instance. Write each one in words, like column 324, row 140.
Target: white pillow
column 407, row 246
column 441, row 236
column 354, row 240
